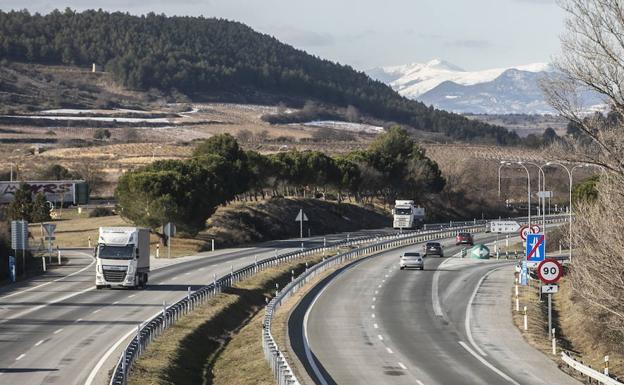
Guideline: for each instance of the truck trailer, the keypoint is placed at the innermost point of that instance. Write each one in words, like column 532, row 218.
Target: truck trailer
column 122, row 257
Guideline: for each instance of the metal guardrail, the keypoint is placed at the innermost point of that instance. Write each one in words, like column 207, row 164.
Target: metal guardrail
column 152, row 328
column 281, row 369
column 275, row 357
column 155, row 326
column 588, row 371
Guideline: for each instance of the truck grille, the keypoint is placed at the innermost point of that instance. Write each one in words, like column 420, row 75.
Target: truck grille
column 114, row 276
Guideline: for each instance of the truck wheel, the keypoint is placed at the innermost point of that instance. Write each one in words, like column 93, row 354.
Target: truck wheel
column 99, row 287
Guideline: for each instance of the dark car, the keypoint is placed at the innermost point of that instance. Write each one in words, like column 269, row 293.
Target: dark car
column 464, row 239
column 434, row 248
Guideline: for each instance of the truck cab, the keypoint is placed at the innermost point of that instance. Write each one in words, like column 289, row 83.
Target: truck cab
column 122, row 257
column 407, row 216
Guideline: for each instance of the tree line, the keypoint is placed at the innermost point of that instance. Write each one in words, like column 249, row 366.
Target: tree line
column 207, row 57
column 188, row 192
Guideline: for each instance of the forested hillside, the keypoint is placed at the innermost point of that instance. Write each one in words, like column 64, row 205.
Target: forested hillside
column 211, row 57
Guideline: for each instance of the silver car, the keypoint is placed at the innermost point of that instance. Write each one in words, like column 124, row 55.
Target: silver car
column 411, row 260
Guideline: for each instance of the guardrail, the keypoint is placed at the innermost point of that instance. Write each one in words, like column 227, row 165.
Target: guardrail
column 588, row 371
column 281, row 369
column 155, row 326
column 275, row 357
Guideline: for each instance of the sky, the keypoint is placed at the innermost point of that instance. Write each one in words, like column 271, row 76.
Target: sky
column 472, row 34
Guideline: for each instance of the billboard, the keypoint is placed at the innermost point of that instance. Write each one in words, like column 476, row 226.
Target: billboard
column 56, row 191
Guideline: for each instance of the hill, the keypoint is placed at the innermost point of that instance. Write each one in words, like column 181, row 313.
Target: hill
column 214, row 59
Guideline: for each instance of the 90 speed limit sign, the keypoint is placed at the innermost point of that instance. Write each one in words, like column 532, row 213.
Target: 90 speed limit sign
column 549, row 271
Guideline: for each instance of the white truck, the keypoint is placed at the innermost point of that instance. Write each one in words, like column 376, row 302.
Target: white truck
column 407, row 216
column 122, row 257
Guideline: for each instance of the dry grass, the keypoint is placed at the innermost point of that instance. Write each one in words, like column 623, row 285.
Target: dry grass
column 219, row 342
column 571, row 330
column 74, row 230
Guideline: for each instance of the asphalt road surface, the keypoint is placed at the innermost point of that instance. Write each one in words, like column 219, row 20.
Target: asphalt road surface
column 372, row 323
column 57, row 329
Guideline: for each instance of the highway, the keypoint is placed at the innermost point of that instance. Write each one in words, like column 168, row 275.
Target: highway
column 372, row 323
column 57, row 329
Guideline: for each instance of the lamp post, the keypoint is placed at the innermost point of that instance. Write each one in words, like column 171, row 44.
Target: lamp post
column 570, row 173
column 503, row 163
column 528, row 190
column 542, row 200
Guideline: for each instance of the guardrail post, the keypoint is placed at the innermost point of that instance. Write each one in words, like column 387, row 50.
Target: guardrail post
column 526, row 319
column 554, row 342
column 606, row 365
column 138, row 337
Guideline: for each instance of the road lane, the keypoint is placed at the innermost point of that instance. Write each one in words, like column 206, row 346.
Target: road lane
column 56, row 334
column 376, row 324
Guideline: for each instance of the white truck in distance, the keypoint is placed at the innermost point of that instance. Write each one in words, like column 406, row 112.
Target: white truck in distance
column 122, row 257
column 407, row 216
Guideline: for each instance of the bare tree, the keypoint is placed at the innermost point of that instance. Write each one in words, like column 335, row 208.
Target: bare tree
column 593, row 60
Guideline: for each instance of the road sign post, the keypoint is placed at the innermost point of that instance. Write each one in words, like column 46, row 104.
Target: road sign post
column 169, row 229
column 12, row 269
column 19, row 239
column 301, row 217
column 549, row 272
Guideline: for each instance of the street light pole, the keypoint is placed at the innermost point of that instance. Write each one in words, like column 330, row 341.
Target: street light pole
column 528, row 190
column 569, row 171
column 542, row 200
column 503, row 163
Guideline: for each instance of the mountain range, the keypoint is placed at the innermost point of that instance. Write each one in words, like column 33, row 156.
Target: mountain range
column 511, row 90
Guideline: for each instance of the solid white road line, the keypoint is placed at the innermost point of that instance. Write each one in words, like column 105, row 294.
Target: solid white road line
column 420, row 382
column 115, row 303
column 402, row 366
column 486, row 363
column 435, row 295
column 47, row 283
column 306, row 344
column 469, row 312
column 20, row 357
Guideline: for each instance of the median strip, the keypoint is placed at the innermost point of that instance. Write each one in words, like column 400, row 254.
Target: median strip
column 217, row 343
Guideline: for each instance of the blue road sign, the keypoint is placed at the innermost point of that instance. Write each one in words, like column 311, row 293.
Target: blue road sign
column 12, row 271
column 535, row 247
column 524, row 274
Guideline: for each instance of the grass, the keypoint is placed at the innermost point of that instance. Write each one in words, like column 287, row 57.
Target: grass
column 219, row 343
column 74, row 229
column 569, row 323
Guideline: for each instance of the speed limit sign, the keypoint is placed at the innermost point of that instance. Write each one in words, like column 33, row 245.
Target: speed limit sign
column 549, row 271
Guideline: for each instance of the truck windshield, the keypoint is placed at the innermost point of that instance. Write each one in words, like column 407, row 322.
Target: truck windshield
column 403, row 211
column 115, row 252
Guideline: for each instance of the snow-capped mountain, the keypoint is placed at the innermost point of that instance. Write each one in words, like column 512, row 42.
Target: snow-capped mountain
column 448, row 87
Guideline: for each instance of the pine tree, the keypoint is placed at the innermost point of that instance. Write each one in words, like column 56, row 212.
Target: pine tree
column 21, row 206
